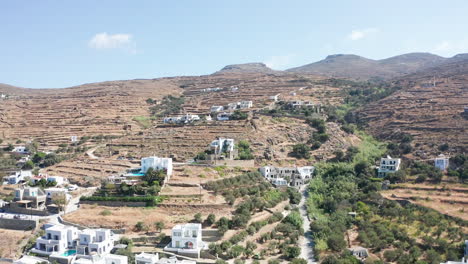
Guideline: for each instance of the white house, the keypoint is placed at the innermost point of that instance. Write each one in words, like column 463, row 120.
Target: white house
column 172, row 120
column 187, row 118
column 232, row 106
column 19, row 176
column 100, row 241
column 102, row 259
column 186, row 240
column 222, row 145
column 245, row 104
column 157, row 164
column 145, row 258
column 70, row 243
column 174, row 260
column 441, row 162
column 58, row 179
column 55, row 193
column 216, row 108
column 295, row 176
column 30, row 260
column 388, row 165
column 359, row 252
column 223, row 116
column 275, row 97
column 57, row 239
column 20, row 150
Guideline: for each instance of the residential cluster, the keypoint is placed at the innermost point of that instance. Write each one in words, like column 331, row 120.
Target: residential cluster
column 287, row 176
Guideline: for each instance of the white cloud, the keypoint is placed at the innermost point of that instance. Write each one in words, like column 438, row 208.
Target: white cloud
column 443, row 46
column 112, row 41
column 362, row 33
column 451, row 47
column 280, row 62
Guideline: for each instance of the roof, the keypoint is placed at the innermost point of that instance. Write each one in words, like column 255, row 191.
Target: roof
column 29, row 260
column 24, row 201
column 188, row 225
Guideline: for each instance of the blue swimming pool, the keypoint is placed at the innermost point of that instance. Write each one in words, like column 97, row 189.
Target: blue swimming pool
column 69, row 252
column 136, row 174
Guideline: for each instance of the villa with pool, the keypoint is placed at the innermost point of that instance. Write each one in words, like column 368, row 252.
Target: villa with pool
column 65, row 244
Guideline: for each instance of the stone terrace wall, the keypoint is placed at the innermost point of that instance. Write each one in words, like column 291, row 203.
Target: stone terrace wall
column 116, row 203
column 18, row 224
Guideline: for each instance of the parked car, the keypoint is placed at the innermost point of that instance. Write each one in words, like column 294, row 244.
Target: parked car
column 72, row 188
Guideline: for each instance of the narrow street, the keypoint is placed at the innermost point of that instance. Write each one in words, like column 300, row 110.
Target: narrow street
column 306, row 243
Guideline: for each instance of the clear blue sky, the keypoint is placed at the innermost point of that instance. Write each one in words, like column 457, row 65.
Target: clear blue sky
column 49, row 44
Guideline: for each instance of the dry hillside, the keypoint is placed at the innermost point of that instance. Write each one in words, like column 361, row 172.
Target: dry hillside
column 429, row 107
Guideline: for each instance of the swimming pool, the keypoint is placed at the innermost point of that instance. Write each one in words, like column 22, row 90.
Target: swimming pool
column 69, row 252
column 136, row 174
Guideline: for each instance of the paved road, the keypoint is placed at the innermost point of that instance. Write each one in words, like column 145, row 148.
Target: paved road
column 306, row 243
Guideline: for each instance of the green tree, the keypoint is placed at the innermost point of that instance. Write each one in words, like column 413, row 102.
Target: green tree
column 211, row 219
column 301, row 151
column 293, row 252
column 336, row 242
column 159, row 226
column 198, row 218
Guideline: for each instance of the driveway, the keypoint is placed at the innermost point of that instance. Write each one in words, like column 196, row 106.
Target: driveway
column 306, row 243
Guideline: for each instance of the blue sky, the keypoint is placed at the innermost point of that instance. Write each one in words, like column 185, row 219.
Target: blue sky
column 51, row 44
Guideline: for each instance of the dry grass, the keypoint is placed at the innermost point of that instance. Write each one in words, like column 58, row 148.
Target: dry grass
column 451, row 200
column 10, row 242
column 127, row 217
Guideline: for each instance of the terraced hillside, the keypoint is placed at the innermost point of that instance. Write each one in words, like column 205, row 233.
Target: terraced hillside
column 429, row 107
column 51, row 116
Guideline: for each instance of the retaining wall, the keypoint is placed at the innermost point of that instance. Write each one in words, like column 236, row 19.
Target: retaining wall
column 230, row 163
column 116, row 203
column 18, row 224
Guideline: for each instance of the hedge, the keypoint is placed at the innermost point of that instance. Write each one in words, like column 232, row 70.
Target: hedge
column 149, row 200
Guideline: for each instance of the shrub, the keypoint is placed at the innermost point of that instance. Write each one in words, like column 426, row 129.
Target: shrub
column 301, row 151
column 105, row 212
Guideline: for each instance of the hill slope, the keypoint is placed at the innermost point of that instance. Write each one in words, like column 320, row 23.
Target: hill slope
column 429, row 106
column 356, row 67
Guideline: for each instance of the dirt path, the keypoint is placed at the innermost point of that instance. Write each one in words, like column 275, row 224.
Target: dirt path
column 306, row 243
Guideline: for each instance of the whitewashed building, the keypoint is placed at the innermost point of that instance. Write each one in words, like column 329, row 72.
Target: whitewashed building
column 145, row 258
column 223, row 116
column 20, row 150
column 19, row 176
column 68, row 243
column 216, row 108
column 294, row 176
column 441, row 162
column 174, row 260
column 185, row 119
column 157, row 164
column 57, row 239
column 186, row 240
column 388, row 165
column 102, row 259
column 223, row 147
column 245, row 104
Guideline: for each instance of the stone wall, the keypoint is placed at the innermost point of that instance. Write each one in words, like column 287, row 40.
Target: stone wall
column 230, row 163
column 18, row 210
column 116, row 203
column 18, row 224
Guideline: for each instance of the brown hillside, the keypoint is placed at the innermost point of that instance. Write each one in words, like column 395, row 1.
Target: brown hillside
column 357, row 67
column 51, row 116
column 429, row 107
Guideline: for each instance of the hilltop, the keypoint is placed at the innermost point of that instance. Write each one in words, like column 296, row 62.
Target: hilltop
column 357, row 67
column 255, row 67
